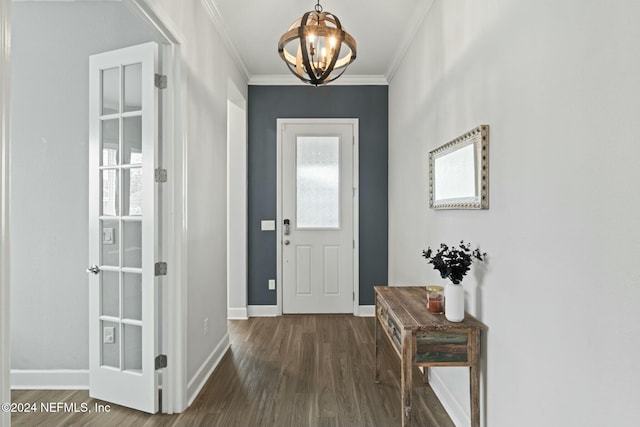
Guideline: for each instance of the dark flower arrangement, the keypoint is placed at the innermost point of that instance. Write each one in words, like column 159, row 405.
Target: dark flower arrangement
column 453, row 262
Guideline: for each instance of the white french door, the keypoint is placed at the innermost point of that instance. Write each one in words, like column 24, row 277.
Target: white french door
column 123, row 227
column 317, row 229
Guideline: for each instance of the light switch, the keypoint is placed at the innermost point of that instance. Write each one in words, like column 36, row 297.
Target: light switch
column 268, row 225
column 107, row 236
column 109, row 334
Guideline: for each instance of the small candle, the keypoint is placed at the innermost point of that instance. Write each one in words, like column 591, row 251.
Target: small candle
column 435, row 299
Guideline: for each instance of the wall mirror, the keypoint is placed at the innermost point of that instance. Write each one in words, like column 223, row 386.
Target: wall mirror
column 459, row 172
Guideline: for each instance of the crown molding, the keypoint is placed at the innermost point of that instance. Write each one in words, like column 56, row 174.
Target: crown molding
column 218, row 22
column 161, row 26
column 414, row 25
column 291, row 80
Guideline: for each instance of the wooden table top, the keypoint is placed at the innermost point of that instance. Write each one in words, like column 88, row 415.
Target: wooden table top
column 409, row 306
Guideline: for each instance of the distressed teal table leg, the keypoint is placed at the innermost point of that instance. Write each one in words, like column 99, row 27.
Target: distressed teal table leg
column 474, row 379
column 406, row 381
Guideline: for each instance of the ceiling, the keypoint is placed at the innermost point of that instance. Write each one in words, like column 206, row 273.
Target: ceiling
column 383, row 30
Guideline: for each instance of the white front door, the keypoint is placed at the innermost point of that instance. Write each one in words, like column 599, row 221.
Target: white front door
column 317, row 231
column 123, row 221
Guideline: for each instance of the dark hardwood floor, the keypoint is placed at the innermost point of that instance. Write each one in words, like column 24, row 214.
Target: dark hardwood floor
column 285, row 371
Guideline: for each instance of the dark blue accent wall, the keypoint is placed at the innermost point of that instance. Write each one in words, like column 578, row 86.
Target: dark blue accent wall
column 369, row 104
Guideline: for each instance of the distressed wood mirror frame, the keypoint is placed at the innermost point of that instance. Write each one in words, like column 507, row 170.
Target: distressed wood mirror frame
column 459, row 172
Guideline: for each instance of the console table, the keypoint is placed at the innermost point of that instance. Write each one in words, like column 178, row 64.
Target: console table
column 422, row 338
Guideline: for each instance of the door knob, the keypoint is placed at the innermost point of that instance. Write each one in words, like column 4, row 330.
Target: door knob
column 286, row 242
column 93, row 269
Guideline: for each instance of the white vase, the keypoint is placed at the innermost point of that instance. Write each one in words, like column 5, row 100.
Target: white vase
column 454, row 302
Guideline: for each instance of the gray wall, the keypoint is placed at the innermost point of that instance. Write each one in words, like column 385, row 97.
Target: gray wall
column 49, row 155
column 369, row 104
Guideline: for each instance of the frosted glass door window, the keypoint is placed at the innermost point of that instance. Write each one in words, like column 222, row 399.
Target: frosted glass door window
column 318, row 182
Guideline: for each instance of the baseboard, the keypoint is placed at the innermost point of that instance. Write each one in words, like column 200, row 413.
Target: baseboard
column 272, row 311
column 456, row 412
column 366, row 311
column 290, row 80
column 263, row 311
column 202, row 375
column 237, row 313
column 49, row 379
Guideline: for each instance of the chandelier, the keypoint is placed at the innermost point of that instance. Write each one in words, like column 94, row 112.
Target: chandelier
column 313, row 45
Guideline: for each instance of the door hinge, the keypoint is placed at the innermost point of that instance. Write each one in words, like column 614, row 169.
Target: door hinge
column 354, row 244
column 161, row 361
column 161, row 175
column 160, row 81
column 161, row 268
column 353, row 296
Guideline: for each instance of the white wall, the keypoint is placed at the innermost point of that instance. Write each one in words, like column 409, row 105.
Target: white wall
column 207, row 67
column 558, row 84
column 49, row 206
column 237, row 207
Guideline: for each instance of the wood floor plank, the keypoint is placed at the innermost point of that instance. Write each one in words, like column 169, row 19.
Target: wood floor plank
column 289, row 371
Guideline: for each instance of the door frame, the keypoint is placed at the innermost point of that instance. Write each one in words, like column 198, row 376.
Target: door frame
column 174, row 382
column 237, row 202
column 5, row 100
column 174, row 221
column 281, row 123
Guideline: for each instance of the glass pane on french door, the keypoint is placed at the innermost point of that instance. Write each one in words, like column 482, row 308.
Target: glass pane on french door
column 121, row 219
